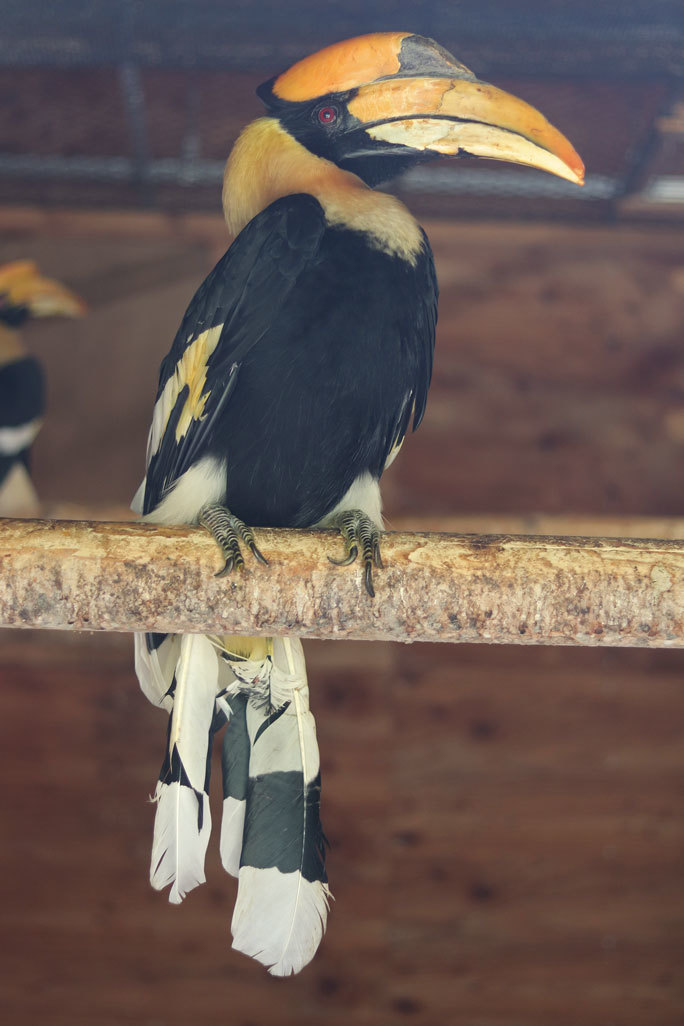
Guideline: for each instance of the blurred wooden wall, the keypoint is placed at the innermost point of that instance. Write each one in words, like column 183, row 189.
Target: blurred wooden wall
column 506, row 825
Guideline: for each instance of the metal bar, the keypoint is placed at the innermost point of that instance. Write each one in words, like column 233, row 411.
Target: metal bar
column 134, row 101
column 586, row 39
column 80, row 575
column 188, row 171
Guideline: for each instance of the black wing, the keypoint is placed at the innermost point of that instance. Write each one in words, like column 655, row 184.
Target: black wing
column 264, row 261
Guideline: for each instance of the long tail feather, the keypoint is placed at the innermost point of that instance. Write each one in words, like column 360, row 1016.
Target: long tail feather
column 183, row 821
column 271, row 834
column 235, row 767
column 156, row 656
column 283, row 896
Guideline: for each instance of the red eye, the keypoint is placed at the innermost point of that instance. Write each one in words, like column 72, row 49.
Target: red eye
column 327, row 115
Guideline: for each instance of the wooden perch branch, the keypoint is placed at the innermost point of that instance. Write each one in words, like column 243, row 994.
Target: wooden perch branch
column 80, row 575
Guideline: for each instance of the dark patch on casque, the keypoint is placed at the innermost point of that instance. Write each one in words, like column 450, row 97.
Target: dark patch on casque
column 423, row 57
column 283, row 826
column 235, row 751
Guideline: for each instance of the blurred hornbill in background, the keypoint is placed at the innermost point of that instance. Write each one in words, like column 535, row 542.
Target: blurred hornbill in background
column 297, row 370
column 24, row 293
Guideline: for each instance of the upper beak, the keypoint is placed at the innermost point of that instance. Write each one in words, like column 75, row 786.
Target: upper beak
column 463, row 116
column 23, row 284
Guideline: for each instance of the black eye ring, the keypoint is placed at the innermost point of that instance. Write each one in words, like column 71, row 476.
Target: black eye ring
column 327, row 115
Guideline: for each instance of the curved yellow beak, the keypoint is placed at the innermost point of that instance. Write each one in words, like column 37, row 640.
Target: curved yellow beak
column 467, row 117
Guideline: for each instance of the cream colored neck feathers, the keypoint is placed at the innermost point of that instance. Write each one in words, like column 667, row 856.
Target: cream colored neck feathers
column 267, row 163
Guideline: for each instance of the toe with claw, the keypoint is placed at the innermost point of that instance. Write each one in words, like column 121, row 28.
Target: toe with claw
column 359, row 531
column 228, row 531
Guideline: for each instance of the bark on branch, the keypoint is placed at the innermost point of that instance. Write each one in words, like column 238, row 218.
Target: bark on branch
column 81, row 575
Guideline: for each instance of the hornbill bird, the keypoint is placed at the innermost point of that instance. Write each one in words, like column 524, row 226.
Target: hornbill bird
column 24, row 293
column 297, row 370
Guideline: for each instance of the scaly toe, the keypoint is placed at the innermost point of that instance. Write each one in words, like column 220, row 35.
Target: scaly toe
column 359, row 532
column 227, row 530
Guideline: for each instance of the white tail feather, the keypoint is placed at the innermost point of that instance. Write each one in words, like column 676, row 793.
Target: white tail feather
column 279, row 918
column 182, row 826
column 232, row 828
column 178, row 848
column 155, row 668
column 193, row 705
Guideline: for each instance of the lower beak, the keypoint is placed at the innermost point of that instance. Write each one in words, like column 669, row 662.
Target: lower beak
column 463, row 117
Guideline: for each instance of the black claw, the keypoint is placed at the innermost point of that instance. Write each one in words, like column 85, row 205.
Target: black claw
column 359, row 532
column 348, row 560
column 369, row 580
column 258, row 555
column 227, row 530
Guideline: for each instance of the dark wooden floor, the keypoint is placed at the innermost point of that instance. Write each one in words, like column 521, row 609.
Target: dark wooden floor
column 506, row 825
column 506, row 829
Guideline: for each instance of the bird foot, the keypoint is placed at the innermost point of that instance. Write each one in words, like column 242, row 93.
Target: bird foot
column 228, row 531
column 358, row 530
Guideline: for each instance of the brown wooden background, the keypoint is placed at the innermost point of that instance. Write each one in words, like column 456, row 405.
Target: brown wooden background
column 507, row 845
column 506, row 825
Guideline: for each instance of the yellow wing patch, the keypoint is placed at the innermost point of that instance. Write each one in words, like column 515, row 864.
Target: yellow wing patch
column 191, row 370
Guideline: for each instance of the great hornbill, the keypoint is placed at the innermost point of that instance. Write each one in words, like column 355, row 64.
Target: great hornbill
column 24, row 293
column 295, row 374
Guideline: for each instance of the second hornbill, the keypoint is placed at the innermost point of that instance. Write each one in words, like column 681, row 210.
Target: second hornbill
column 25, row 294
column 297, row 370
